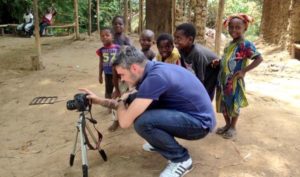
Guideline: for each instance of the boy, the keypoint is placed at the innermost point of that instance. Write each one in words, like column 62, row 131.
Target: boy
column 146, row 41
column 197, row 58
column 107, row 55
column 167, row 52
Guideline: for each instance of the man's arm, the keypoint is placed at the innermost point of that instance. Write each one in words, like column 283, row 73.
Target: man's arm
column 127, row 116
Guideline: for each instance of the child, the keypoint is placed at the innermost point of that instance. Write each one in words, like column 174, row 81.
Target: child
column 197, row 58
column 231, row 87
column 146, row 41
column 167, row 52
column 107, row 55
column 118, row 26
column 121, row 39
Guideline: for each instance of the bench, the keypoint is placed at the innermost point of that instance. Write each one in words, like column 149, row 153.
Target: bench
column 2, row 28
column 12, row 26
column 67, row 27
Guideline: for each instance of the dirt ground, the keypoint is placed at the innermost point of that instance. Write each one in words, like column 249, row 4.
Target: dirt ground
column 36, row 140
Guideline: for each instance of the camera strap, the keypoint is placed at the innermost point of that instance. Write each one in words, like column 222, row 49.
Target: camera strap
column 87, row 141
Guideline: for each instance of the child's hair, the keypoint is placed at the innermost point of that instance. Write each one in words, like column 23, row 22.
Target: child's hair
column 188, row 29
column 245, row 18
column 148, row 33
column 106, row 29
column 164, row 36
column 116, row 17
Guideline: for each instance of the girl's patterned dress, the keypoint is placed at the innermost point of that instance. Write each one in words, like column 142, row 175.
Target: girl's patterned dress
column 231, row 94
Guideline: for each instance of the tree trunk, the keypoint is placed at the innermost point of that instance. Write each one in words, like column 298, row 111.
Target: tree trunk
column 37, row 63
column 76, row 20
column 130, row 16
column 200, row 20
column 219, row 26
column 141, row 18
column 126, row 15
column 173, row 15
column 179, row 15
column 90, row 17
column 159, row 16
column 98, row 16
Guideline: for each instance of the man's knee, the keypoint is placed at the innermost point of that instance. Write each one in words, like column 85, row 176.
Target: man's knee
column 142, row 122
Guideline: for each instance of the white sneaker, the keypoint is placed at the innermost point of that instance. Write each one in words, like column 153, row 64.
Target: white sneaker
column 148, row 147
column 177, row 169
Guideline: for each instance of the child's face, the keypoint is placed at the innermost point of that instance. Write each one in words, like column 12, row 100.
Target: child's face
column 146, row 42
column 118, row 25
column 236, row 28
column 106, row 37
column 181, row 40
column 165, row 48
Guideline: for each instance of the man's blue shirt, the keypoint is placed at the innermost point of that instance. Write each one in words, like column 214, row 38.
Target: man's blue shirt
column 173, row 87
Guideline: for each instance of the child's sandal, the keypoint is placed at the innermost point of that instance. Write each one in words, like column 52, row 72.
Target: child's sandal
column 221, row 130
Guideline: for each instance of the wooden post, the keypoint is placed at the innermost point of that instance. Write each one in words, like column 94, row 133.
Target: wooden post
column 219, row 26
column 173, row 15
column 76, row 20
column 126, row 16
column 141, row 18
column 37, row 65
column 98, row 17
column 90, row 17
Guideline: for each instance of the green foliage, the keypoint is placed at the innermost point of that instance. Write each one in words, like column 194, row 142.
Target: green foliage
column 249, row 7
column 12, row 11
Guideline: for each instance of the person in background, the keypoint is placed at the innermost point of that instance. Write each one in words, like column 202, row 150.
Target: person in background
column 27, row 25
column 231, row 94
column 167, row 52
column 146, row 41
column 197, row 58
column 47, row 20
column 107, row 55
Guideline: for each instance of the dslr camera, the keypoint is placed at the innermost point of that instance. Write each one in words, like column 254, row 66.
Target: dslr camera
column 80, row 102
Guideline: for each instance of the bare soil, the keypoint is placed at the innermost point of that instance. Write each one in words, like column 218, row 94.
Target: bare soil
column 36, row 140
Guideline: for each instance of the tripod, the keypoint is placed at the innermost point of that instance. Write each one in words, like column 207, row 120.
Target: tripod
column 84, row 142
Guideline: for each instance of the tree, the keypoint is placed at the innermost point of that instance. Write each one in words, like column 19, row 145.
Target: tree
column 219, row 26
column 200, row 7
column 159, row 16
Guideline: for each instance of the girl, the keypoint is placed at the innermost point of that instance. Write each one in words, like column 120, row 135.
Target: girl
column 234, row 65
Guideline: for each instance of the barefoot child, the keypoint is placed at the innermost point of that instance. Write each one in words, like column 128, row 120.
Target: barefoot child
column 231, row 95
column 197, row 58
column 107, row 54
column 167, row 52
column 120, row 39
column 146, row 41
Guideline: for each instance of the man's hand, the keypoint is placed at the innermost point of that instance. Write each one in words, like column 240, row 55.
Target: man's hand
column 91, row 96
column 116, row 94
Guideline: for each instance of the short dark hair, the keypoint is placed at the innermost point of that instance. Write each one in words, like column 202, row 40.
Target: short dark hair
column 106, row 28
column 128, row 56
column 116, row 17
column 188, row 29
column 165, row 36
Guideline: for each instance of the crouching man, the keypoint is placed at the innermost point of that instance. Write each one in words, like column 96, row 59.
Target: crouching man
column 170, row 102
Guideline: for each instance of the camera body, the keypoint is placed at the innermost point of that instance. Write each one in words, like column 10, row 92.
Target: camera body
column 80, row 102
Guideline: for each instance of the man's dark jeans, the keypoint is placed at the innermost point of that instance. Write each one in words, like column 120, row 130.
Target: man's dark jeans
column 160, row 127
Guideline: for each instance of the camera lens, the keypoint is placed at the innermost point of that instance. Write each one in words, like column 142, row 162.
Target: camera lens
column 71, row 105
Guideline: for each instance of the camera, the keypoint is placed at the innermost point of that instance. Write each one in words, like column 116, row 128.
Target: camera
column 80, row 102
column 130, row 98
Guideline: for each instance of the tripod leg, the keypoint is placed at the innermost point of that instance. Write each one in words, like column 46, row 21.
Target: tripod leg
column 83, row 151
column 101, row 151
column 72, row 155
